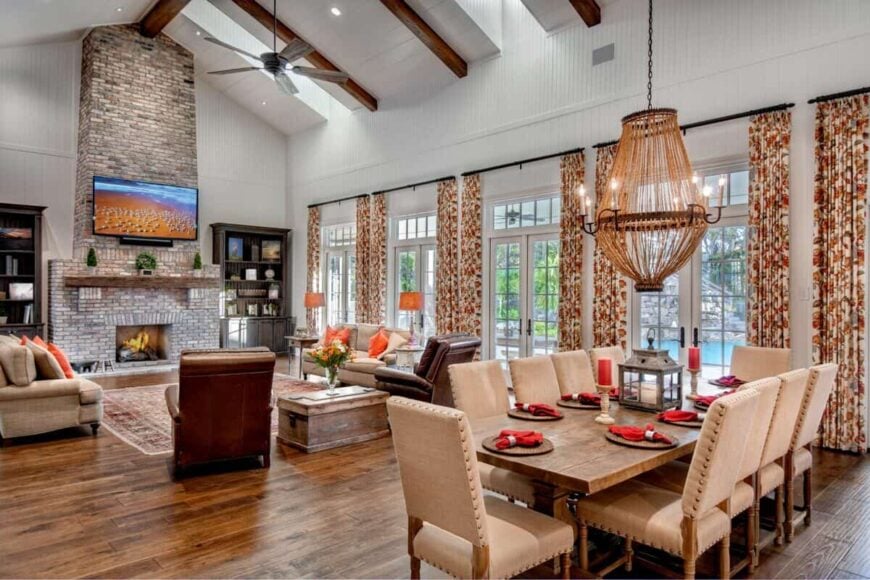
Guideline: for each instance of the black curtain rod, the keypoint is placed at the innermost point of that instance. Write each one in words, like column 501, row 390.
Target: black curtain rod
column 842, row 95
column 332, row 201
column 415, row 185
column 716, row 120
column 522, row 162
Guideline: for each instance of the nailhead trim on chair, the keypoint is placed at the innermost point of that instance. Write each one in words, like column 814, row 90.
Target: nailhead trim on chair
column 707, row 455
column 805, row 406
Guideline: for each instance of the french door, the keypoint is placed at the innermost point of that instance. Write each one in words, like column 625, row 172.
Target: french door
column 524, row 290
column 704, row 304
column 415, row 272
column 340, row 287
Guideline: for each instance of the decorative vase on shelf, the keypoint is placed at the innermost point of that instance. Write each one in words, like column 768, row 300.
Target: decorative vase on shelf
column 331, row 380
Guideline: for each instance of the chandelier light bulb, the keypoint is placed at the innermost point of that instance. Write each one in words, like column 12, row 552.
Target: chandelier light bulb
column 707, row 191
column 614, row 185
column 722, row 181
column 695, row 178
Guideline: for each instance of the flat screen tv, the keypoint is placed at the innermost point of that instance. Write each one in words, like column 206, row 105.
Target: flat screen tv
column 139, row 209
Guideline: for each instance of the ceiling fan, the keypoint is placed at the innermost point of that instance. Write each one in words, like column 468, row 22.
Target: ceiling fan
column 278, row 63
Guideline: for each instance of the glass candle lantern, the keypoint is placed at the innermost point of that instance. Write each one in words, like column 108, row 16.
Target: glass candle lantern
column 651, row 381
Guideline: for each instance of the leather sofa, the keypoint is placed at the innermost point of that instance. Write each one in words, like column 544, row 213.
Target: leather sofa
column 29, row 406
column 430, row 381
column 222, row 407
column 361, row 370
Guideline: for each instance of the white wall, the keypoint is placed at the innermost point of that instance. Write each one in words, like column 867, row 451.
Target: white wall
column 542, row 96
column 242, row 160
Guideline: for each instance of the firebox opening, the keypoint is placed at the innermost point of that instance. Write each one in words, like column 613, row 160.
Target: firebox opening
column 142, row 343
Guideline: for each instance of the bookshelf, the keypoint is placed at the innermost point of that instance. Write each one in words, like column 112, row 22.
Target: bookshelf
column 255, row 266
column 21, row 270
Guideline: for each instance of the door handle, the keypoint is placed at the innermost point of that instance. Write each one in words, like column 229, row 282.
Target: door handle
column 695, row 337
column 682, row 337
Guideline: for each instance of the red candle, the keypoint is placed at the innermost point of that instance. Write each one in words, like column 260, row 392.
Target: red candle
column 694, row 358
column 605, row 372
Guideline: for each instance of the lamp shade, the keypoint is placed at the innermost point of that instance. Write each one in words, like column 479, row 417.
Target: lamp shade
column 314, row 300
column 411, row 301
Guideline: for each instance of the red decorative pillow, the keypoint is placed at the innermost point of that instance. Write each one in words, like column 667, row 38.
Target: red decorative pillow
column 342, row 334
column 39, row 341
column 62, row 360
column 378, row 343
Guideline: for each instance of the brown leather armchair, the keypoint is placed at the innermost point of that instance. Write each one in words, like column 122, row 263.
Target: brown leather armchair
column 430, row 382
column 222, row 406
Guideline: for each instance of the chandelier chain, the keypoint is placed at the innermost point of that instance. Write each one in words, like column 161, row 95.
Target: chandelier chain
column 649, row 58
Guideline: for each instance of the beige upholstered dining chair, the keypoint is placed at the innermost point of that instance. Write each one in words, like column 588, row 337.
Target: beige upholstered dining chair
column 771, row 475
column 799, row 459
column 480, row 390
column 451, row 525
column 534, row 380
column 684, row 524
column 574, row 372
column 616, row 356
column 750, row 363
column 673, row 475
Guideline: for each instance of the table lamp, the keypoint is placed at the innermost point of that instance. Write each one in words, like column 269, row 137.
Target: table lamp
column 411, row 302
column 314, row 300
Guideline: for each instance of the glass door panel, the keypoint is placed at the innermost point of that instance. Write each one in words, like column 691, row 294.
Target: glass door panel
column 334, row 288
column 350, row 285
column 508, row 311
column 428, row 287
column 542, row 329
column 660, row 314
column 407, row 280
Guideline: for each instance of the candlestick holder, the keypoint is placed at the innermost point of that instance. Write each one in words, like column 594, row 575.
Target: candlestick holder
column 694, row 383
column 604, row 418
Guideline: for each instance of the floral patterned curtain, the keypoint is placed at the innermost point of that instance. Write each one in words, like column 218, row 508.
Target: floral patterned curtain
column 610, row 302
column 447, row 249
column 471, row 280
column 312, row 277
column 363, row 259
column 767, row 256
column 571, row 255
column 838, row 265
column 378, row 258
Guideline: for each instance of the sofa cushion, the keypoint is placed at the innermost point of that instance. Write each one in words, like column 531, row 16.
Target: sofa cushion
column 62, row 360
column 42, row 390
column 378, row 343
column 363, row 364
column 342, row 334
column 3, row 380
column 364, row 333
column 47, row 367
column 396, row 340
column 18, row 364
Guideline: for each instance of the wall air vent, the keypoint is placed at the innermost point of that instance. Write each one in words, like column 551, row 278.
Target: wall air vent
column 603, row 54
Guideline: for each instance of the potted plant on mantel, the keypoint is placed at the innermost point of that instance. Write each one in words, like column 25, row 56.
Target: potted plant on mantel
column 197, row 265
column 91, row 260
column 146, row 264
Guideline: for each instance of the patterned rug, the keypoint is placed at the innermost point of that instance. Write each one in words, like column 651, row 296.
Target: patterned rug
column 138, row 415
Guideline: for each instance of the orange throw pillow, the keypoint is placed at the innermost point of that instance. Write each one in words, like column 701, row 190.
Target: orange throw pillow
column 342, row 334
column 378, row 343
column 62, row 360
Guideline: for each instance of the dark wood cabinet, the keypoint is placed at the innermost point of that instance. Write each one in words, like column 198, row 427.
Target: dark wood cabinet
column 21, row 270
column 255, row 276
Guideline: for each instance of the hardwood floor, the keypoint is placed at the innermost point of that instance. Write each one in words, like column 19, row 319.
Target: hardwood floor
column 77, row 505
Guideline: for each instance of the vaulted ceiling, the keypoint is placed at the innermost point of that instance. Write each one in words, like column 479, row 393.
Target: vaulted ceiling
column 396, row 52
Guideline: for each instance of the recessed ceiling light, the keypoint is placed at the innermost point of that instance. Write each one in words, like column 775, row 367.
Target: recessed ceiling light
column 264, row 103
column 197, row 33
column 335, row 11
column 119, row 9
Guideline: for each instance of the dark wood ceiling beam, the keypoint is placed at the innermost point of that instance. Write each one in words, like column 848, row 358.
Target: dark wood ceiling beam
column 589, row 11
column 285, row 33
column 159, row 16
column 429, row 37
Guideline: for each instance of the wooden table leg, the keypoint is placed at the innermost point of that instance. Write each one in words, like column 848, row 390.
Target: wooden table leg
column 553, row 501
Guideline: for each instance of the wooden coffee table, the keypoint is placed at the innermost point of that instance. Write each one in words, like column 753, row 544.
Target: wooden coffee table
column 316, row 421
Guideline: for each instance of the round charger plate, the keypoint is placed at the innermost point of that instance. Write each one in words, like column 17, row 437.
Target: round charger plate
column 716, row 383
column 692, row 424
column 545, row 447
column 701, row 406
column 578, row 405
column 526, row 416
column 641, row 444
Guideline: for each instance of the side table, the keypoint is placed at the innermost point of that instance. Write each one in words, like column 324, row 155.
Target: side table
column 407, row 356
column 299, row 343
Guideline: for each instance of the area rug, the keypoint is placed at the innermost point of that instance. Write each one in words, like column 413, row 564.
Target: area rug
column 138, row 415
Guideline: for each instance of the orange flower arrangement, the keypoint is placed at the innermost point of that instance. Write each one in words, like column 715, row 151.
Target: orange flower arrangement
column 330, row 357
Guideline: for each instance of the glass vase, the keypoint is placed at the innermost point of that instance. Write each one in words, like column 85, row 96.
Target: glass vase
column 331, row 380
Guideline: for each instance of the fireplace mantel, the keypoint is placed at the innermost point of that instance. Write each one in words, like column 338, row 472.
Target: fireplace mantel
column 139, row 282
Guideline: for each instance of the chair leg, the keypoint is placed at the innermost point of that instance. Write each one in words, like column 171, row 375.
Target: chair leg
column 565, row 562
column 788, row 508
column 808, row 496
column 583, row 533
column 689, row 568
column 725, row 557
column 629, row 555
column 415, row 568
column 778, row 500
column 94, row 428
column 752, row 537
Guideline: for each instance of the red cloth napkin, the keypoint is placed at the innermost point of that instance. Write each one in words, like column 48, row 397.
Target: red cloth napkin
column 678, row 415
column 707, row 400
column 539, row 409
column 585, row 398
column 632, row 433
column 614, row 394
column 729, row 381
column 508, row 438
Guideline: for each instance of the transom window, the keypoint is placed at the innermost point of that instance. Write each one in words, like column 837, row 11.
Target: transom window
column 526, row 214
column 736, row 186
column 416, row 227
column 340, row 235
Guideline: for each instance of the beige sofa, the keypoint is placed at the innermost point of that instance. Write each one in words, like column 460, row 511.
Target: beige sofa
column 29, row 406
column 360, row 371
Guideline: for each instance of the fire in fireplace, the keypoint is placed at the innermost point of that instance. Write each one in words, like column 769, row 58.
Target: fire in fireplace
column 142, row 343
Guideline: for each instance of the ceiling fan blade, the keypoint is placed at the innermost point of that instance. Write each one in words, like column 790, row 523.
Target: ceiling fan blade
column 332, row 76
column 230, row 71
column 285, row 84
column 296, row 49
column 231, row 47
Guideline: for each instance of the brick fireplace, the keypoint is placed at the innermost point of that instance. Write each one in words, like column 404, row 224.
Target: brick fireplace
column 137, row 120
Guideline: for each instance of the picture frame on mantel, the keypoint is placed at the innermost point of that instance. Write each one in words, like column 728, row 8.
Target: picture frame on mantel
column 235, row 249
